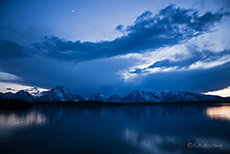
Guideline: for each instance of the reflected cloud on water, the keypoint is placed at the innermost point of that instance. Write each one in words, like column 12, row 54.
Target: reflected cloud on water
column 164, row 144
column 220, row 113
column 151, row 143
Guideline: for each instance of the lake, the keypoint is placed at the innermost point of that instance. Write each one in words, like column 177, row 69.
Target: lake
column 118, row 129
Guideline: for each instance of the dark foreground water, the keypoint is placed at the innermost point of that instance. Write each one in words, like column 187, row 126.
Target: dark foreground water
column 175, row 128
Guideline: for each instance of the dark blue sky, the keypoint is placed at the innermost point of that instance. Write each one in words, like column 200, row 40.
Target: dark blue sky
column 117, row 46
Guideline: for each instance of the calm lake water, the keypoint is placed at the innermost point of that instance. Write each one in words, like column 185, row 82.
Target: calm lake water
column 167, row 128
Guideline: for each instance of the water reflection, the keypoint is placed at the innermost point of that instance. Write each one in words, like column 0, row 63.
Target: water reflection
column 128, row 112
column 161, row 144
column 151, row 143
column 167, row 128
column 222, row 112
column 11, row 121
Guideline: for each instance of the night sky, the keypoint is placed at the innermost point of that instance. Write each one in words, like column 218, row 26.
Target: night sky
column 115, row 46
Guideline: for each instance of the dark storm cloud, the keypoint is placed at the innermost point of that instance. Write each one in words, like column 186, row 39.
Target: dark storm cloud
column 170, row 26
column 171, row 18
column 11, row 50
column 10, row 89
column 121, row 29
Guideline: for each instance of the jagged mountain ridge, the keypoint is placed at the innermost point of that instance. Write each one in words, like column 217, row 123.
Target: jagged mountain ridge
column 62, row 94
column 20, row 95
column 59, row 94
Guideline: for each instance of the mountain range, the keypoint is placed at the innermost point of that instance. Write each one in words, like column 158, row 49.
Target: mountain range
column 62, row 94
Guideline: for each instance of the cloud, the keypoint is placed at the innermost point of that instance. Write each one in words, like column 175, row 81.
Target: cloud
column 168, row 27
column 223, row 92
column 83, row 78
column 102, row 75
column 35, row 91
column 175, row 49
column 10, row 51
column 10, row 89
column 197, row 80
column 202, row 52
column 8, row 77
column 121, row 29
column 196, row 59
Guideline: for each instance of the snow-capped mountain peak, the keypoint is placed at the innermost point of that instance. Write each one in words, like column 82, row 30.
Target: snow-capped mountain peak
column 57, row 94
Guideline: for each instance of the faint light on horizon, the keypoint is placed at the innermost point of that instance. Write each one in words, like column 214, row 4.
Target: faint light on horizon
column 223, row 92
column 14, row 87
